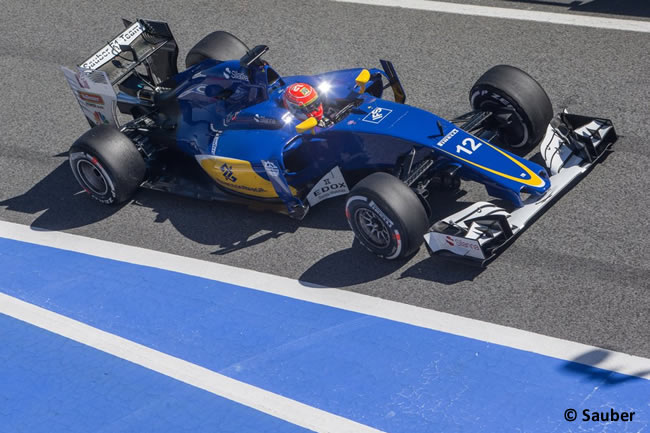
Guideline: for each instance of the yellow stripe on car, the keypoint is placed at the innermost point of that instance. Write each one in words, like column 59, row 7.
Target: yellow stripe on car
column 534, row 180
column 238, row 175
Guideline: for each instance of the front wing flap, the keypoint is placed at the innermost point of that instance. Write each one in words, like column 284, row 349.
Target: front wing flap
column 478, row 233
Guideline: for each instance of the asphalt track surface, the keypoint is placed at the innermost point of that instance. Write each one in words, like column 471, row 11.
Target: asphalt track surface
column 579, row 273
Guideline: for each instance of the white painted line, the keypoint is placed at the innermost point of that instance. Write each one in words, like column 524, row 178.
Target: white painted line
column 273, row 404
column 512, row 14
column 417, row 316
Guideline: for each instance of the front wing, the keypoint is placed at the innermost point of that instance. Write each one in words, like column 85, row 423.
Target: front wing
column 478, row 233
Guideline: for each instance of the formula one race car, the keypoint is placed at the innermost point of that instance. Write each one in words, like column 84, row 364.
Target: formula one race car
column 222, row 130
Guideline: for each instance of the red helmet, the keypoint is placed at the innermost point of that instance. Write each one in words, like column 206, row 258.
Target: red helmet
column 303, row 101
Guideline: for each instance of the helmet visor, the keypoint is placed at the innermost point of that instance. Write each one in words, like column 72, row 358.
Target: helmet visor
column 308, row 108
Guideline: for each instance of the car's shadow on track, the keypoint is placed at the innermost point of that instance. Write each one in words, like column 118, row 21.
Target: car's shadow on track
column 638, row 8
column 587, row 364
column 64, row 205
column 356, row 265
column 348, row 267
column 229, row 227
column 224, row 226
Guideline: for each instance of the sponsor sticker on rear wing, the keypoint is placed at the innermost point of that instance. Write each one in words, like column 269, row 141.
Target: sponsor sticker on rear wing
column 114, row 47
column 132, row 47
column 94, row 93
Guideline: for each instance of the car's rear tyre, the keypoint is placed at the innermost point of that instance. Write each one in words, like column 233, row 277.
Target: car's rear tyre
column 218, row 46
column 107, row 164
column 386, row 216
column 510, row 88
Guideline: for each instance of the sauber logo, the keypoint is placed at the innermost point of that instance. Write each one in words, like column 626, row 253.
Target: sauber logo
column 113, row 48
column 264, row 120
column 235, row 75
column 460, row 243
column 377, row 115
column 227, row 172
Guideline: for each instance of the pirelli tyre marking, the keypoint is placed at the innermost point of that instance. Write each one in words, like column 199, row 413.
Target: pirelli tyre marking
column 373, row 226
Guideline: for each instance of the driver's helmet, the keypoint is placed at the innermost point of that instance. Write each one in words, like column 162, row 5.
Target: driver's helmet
column 303, row 101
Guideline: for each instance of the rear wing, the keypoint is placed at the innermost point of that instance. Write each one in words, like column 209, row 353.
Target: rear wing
column 143, row 42
column 146, row 45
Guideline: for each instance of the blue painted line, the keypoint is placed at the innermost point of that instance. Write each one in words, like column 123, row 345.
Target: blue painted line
column 51, row 384
column 388, row 375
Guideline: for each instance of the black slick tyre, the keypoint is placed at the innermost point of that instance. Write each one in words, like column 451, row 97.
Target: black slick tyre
column 107, row 164
column 386, row 216
column 505, row 87
column 218, row 46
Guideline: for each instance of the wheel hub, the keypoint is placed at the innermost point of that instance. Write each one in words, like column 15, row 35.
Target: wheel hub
column 372, row 227
column 92, row 177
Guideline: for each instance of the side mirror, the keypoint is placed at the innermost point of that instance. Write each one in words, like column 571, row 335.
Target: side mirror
column 362, row 79
column 307, row 125
column 253, row 56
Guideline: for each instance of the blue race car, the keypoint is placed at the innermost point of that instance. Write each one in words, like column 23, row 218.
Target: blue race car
column 223, row 129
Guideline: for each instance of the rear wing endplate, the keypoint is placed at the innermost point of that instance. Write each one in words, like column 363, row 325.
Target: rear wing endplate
column 95, row 95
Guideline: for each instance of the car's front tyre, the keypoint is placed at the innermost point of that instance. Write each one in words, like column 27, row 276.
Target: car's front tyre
column 386, row 216
column 522, row 108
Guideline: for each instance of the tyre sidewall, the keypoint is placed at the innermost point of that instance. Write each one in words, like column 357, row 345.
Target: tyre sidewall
column 79, row 156
column 396, row 231
column 396, row 206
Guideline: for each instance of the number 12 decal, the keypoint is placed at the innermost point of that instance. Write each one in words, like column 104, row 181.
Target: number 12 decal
column 468, row 142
